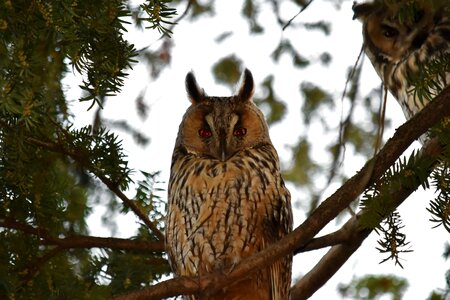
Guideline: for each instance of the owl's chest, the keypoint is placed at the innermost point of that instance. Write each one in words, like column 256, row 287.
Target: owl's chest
column 222, row 207
column 224, row 191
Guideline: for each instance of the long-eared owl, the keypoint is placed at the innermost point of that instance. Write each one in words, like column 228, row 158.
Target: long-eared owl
column 404, row 39
column 227, row 199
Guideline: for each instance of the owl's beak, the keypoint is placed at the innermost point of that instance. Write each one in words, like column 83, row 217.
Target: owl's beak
column 223, row 149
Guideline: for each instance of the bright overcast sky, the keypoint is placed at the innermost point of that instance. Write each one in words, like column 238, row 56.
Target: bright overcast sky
column 195, row 49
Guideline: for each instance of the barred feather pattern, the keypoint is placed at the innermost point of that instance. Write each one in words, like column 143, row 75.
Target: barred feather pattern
column 399, row 50
column 222, row 212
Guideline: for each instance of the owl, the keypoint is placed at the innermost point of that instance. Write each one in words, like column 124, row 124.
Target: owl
column 404, row 38
column 227, row 199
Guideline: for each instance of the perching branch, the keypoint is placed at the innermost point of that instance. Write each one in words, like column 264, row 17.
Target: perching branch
column 326, row 212
column 82, row 241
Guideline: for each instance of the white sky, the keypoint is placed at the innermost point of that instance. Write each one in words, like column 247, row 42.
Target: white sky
column 195, row 49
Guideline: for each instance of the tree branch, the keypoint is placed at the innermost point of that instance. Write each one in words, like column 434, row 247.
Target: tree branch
column 82, row 241
column 339, row 236
column 333, row 260
column 75, row 155
column 292, row 19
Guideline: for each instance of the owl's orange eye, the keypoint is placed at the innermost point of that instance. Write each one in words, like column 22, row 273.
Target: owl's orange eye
column 204, row 133
column 241, row 131
column 389, row 31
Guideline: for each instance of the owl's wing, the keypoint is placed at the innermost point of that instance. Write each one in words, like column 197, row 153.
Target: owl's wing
column 277, row 227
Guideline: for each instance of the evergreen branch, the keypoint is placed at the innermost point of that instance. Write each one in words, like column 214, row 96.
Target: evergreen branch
column 392, row 239
column 440, row 206
column 326, row 212
column 78, row 157
column 159, row 13
column 115, row 189
column 82, row 241
column 430, row 79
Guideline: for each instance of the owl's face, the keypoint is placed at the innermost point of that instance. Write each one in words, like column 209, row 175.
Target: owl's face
column 220, row 127
column 389, row 35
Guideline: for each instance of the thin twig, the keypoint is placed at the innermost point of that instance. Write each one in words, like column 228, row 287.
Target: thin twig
column 301, row 10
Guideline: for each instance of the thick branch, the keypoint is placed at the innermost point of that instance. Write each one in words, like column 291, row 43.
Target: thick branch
column 82, row 241
column 339, row 236
column 327, row 211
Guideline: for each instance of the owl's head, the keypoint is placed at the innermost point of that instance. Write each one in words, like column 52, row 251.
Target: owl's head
column 220, row 127
column 392, row 30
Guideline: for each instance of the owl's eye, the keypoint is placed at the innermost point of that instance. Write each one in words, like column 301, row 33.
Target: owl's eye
column 204, row 133
column 418, row 16
column 241, row 131
column 389, row 31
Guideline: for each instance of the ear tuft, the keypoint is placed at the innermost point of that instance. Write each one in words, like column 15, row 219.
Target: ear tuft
column 247, row 86
column 362, row 10
column 195, row 93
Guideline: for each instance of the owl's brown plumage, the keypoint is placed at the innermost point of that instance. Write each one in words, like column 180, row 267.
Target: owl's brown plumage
column 403, row 37
column 227, row 199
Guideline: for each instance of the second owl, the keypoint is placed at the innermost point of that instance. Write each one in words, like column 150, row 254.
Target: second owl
column 406, row 41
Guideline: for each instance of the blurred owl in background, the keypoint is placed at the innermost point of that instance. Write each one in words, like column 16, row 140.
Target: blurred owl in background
column 405, row 40
column 227, row 199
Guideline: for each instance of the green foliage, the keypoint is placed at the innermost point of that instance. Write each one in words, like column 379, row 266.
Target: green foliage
column 38, row 36
column 406, row 174
column 303, row 169
column 275, row 107
column 440, row 206
column 371, row 287
column 316, row 97
column 44, row 195
column 100, row 152
column 392, row 241
column 158, row 14
column 323, row 26
column 250, row 12
column 228, row 70
column 430, row 79
column 377, row 203
column 147, row 197
column 286, row 46
column 201, row 8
